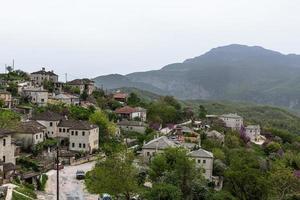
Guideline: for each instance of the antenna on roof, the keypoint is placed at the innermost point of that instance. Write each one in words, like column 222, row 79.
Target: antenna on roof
column 66, row 76
column 13, row 64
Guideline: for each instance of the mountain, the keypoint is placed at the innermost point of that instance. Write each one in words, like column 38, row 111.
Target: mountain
column 233, row 72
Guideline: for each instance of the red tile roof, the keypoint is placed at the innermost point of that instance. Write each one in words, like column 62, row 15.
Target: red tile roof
column 120, row 96
column 126, row 110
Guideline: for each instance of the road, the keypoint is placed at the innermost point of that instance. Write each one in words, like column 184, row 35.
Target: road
column 70, row 188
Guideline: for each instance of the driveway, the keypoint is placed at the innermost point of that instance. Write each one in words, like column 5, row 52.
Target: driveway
column 70, row 187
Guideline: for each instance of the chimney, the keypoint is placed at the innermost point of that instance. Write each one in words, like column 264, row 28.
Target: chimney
column 43, row 68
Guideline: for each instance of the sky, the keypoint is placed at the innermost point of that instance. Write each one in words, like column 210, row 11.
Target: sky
column 89, row 38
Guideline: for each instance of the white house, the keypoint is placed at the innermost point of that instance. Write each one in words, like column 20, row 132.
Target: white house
column 155, row 146
column 232, row 121
column 37, row 96
column 30, row 133
column 253, row 133
column 130, row 113
column 84, row 136
column 50, row 120
column 67, row 99
column 203, row 159
column 135, row 126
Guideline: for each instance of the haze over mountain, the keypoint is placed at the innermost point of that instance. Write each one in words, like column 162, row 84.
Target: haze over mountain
column 233, row 72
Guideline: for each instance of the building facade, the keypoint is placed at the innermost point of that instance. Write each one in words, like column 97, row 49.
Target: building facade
column 39, row 77
column 6, row 98
column 83, row 85
column 37, row 96
column 232, row 121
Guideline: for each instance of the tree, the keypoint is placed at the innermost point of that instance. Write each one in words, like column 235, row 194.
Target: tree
column 133, row 99
column 48, row 85
column 8, row 119
column 164, row 191
column 80, row 113
column 174, row 167
column 170, row 100
column 202, row 112
column 106, row 128
column 284, row 182
column 84, row 95
column 1, row 103
column 115, row 175
column 13, row 88
column 272, row 147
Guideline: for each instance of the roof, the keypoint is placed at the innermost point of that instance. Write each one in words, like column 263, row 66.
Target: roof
column 33, row 89
column 76, row 124
column 5, row 132
column 253, row 127
column 44, row 72
column 184, row 129
column 4, row 92
column 47, row 116
column 201, row 153
column 80, row 81
column 215, row 133
column 31, row 127
column 65, row 96
column 126, row 110
column 160, row 143
column 120, row 95
column 231, row 115
column 131, row 123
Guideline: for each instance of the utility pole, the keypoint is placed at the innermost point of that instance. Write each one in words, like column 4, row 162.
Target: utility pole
column 66, row 76
column 57, row 172
column 13, row 64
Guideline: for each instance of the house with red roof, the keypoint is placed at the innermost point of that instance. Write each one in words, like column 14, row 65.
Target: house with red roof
column 121, row 97
column 130, row 113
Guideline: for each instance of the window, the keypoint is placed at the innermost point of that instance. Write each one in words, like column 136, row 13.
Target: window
column 42, row 100
column 79, row 145
column 73, row 144
column 51, row 124
column 148, row 153
column 76, row 133
column 41, row 135
column 72, row 132
column 4, row 142
column 204, row 161
column 199, row 161
column 60, row 130
column 68, row 130
column 83, row 133
column 64, row 130
column 3, row 159
column 83, row 145
column 37, row 137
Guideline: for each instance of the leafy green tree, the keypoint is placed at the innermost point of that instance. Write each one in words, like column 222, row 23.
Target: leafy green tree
column 133, row 99
column 202, row 112
column 272, row 147
column 13, row 88
column 164, row 191
column 106, row 127
column 48, row 85
column 8, row 119
column 1, row 103
column 170, row 100
column 160, row 111
column 115, row 175
column 284, row 182
column 80, row 113
column 84, row 95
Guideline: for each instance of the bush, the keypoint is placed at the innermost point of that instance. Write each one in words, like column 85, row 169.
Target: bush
column 42, row 182
column 26, row 191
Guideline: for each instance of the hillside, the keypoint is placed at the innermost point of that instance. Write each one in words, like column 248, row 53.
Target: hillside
column 266, row 116
column 233, row 72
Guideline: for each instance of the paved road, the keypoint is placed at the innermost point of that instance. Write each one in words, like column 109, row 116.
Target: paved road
column 70, row 188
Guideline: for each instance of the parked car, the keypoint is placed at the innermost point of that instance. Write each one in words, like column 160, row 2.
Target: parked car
column 60, row 166
column 105, row 197
column 80, row 175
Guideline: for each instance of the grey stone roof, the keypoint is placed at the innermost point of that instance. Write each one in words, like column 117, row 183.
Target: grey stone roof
column 160, row 143
column 76, row 124
column 31, row 127
column 231, row 115
column 47, row 116
column 215, row 134
column 80, row 81
column 43, row 72
column 5, row 132
column 201, row 153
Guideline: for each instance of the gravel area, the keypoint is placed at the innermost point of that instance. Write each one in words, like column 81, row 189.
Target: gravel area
column 70, row 188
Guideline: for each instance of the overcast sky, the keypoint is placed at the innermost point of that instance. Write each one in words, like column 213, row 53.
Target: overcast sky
column 87, row 38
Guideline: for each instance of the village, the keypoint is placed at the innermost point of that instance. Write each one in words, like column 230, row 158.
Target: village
column 46, row 138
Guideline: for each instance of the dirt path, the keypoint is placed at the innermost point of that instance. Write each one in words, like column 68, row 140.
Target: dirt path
column 70, row 188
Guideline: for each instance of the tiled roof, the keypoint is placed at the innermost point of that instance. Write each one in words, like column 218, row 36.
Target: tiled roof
column 126, row 110
column 4, row 92
column 201, row 153
column 215, row 134
column 47, row 116
column 160, row 143
column 131, row 123
column 30, row 127
column 231, row 115
column 80, row 81
column 252, row 127
column 120, row 95
column 76, row 124
column 43, row 72
column 5, row 132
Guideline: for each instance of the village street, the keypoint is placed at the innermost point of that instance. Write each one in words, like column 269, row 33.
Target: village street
column 70, row 188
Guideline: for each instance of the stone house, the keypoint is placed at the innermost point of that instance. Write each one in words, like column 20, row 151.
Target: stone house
column 203, row 159
column 130, row 113
column 7, row 154
column 30, row 133
column 136, row 126
column 232, row 121
column 67, row 99
column 40, row 76
column 37, row 96
column 155, row 146
column 215, row 135
column 186, row 134
column 50, row 120
column 84, row 136
column 252, row 132
column 83, row 85
column 7, row 99
column 121, row 97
